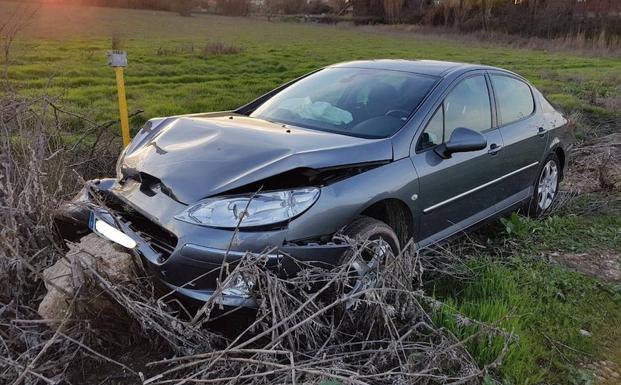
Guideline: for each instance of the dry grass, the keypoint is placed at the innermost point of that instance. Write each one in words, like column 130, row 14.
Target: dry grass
column 574, row 44
column 595, row 165
column 306, row 336
column 38, row 170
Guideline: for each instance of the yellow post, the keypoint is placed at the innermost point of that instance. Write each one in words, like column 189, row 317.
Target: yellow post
column 120, row 85
column 118, row 61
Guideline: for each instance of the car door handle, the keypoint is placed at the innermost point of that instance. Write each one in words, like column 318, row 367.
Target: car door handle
column 541, row 132
column 494, row 149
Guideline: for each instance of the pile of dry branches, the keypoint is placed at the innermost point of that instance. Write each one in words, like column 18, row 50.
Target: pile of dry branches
column 594, row 172
column 39, row 168
column 308, row 330
column 596, row 164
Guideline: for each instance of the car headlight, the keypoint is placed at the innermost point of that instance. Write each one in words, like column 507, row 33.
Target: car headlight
column 248, row 211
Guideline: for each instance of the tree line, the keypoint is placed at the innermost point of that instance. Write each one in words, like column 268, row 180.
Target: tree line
column 542, row 18
column 590, row 19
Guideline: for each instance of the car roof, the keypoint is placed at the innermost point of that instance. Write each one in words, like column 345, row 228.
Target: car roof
column 424, row 67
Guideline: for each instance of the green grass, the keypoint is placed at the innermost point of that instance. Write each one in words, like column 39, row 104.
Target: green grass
column 570, row 233
column 62, row 52
column 545, row 306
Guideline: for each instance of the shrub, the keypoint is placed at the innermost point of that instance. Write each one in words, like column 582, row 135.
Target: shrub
column 219, row 48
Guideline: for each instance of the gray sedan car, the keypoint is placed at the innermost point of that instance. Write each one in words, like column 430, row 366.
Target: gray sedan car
column 382, row 150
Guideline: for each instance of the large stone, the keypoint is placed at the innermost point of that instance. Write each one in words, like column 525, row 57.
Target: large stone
column 67, row 276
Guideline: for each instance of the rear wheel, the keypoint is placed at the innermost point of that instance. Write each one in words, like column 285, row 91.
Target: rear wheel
column 546, row 187
column 379, row 240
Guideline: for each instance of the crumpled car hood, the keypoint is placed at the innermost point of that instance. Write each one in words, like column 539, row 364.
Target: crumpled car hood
column 196, row 157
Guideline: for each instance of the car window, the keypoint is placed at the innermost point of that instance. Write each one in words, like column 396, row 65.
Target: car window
column 369, row 103
column 514, row 98
column 434, row 132
column 468, row 106
column 546, row 106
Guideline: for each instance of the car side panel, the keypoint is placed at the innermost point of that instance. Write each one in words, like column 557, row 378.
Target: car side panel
column 453, row 190
column 559, row 130
column 340, row 202
column 525, row 142
column 459, row 186
column 524, row 150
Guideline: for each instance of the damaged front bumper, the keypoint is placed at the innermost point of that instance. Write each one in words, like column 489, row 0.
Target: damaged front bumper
column 188, row 258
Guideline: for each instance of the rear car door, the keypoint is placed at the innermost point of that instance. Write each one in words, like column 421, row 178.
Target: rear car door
column 457, row 192
column 524, row 135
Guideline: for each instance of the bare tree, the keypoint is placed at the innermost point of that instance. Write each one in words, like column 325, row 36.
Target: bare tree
column 484, row 14
column 392, row 10
column 10, row 25
column 459, row 14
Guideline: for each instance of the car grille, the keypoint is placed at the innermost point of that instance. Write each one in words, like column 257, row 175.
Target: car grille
column 161, row 240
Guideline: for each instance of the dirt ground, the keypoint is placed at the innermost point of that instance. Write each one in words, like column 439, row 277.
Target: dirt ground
column 605, row 265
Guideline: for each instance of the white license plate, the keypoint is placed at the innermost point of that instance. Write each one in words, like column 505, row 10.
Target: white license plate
column 105, row 230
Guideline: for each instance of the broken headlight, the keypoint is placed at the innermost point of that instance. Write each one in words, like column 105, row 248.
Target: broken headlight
column 251, row 210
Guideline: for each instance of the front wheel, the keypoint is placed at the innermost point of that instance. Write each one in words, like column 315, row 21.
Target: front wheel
column 546, row 187
column 376, row 241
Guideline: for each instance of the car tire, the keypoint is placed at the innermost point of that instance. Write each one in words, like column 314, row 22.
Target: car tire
column 545, row 188
column 383, row 242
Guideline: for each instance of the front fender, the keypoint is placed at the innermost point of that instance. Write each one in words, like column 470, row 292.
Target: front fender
column 341, row 202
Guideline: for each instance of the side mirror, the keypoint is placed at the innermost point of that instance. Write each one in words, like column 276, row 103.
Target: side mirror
column 462, row 140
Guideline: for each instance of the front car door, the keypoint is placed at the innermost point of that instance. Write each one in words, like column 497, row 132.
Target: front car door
column 524, row 135
column 457, row 192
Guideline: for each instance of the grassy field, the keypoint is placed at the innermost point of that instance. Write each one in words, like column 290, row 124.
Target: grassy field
column 510, row 280
column 170, row 72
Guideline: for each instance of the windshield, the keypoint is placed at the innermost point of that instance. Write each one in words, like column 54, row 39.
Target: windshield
column 369, row 103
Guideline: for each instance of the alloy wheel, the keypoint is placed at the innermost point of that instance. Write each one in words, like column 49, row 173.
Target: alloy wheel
column 365, row 267
column 548, row 184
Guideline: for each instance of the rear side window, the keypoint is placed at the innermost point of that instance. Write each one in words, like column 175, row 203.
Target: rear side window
column 514, row 98
column 546, row 106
